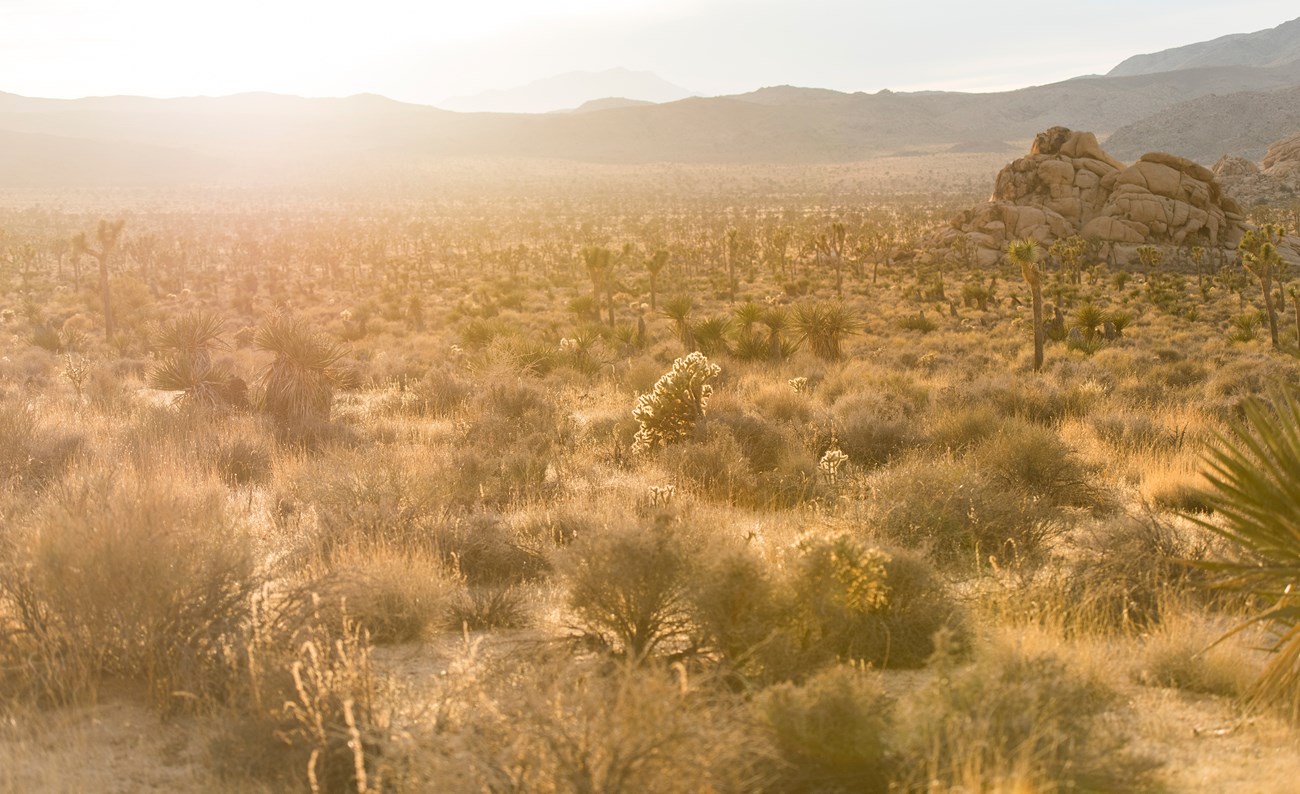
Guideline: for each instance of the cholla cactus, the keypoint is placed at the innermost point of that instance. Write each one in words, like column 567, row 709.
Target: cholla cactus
column 670, row 412
column 861, row 573
column 799, row 384
column 830, row 464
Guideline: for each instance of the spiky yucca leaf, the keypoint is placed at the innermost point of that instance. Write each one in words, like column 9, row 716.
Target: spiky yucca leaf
column 197, row 383
column 190, row 334
column 1254, row 487
column 298, row 386
column 823, row 327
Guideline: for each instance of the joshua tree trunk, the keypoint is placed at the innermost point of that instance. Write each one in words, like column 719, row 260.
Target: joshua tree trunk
column 1270, row 306
column 1295, row 306
column 107, row 296
column 1036, row 291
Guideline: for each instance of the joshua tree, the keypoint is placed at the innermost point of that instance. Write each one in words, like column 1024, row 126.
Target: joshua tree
column 830, row 247
column 823, row 326
column 600, row 267
column 1260, row 256
column 733, row 251
column 654, row 266
column 108, row 234
column 1026, row 253
column 678, row 308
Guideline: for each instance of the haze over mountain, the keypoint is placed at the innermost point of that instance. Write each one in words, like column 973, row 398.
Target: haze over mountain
column 1274, row 47
column 569, row 91
column 264, row 136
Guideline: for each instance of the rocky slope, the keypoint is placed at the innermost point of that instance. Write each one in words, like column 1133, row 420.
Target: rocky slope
column 1272, row 47
column 1204, row 129
column 1275, row 180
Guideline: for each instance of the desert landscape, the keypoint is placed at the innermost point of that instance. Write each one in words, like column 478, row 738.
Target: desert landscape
column 555, row 440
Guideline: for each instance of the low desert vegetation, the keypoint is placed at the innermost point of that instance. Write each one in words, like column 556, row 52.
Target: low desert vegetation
column 639, row 487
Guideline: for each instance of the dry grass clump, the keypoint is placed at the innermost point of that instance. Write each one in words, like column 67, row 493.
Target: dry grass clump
column 1184, row 653
column 563, row 724
column 118, row 577
column 32, row 453
column 958, row 515
column 395, row 595
column 1125, row 571
column 1011, row 722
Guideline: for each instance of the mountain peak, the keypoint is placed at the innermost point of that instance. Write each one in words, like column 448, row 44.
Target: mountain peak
column 570, row 90
column 1273, row 47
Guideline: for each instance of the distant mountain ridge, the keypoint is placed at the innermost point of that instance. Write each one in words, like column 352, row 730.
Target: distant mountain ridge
column 1201, row 112
column 568, row 91
column 1273, row 47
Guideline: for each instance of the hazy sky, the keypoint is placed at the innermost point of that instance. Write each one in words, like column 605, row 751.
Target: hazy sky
column 427, row 51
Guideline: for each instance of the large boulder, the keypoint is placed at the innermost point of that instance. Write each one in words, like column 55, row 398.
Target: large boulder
column 1068, row 186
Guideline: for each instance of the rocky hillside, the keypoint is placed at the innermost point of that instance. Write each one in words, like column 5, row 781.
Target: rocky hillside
column 1068, row 185
column 1205, row 129
column 1275, row 180
column 1273, row 47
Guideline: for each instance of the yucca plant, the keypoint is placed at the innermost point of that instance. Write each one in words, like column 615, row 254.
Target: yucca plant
column 678, row 308
column 823, row 327
column 185, row 346
column 1253, row 477
column 710, row 334
column 298, row 386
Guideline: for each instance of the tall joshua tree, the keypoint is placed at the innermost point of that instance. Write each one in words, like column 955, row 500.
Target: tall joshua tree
column 600, row 268
column 1259, row 254
column 108, row 234
column 1026, row 254
column 654, row 266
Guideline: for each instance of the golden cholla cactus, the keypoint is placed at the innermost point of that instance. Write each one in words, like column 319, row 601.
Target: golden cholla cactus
column 671, row 411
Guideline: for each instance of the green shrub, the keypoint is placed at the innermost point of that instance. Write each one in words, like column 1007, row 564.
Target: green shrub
column 859, row 603
column 1032, row 460
column 830, row 733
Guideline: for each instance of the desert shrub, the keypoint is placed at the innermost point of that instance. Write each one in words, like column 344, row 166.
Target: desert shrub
column 364, row 498
column 741, row 609
column 627, row 587
column 242, row 461
column 564, row 725
column 34, row 454
column 1132, row 430
column 394, row 595
column 484, row 607
column 715, row 467
column 830, row 733
column 960, row 428
column 306, row 710
column 672, row 410
column 1185, row 657
column 441, row 392
column 869, row 432
column 1033, row 460
column 486, row 550
column 145, row 581
column 954, row 513
column 1124, row 572
column 782, row 404
column 855, row 602
column 762, row 445
column 1011, row 721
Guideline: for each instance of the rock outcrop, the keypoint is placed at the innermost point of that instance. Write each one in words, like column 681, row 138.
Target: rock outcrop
column 1068, row 186
column 1275, row 180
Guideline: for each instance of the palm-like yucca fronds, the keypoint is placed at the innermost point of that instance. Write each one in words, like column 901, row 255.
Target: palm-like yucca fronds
column 1254, row 487
column 298, row 386
column 197, row 382
column 190, row 334
column 185, row 344
column 823, row 327
column 710, row 334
